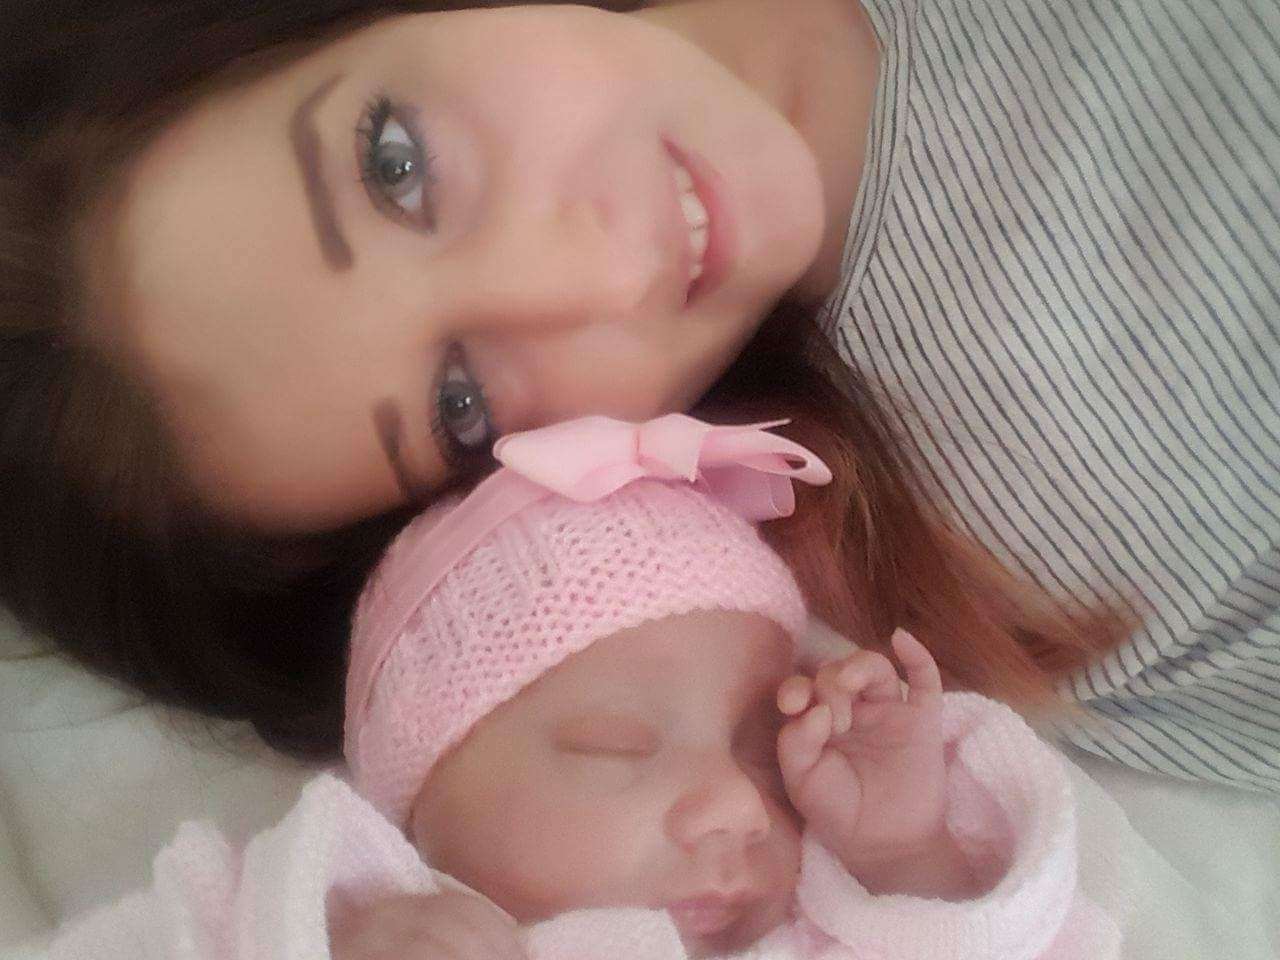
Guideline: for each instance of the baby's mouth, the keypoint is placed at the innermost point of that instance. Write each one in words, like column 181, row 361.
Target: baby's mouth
column 715, row 925
column 705, row 916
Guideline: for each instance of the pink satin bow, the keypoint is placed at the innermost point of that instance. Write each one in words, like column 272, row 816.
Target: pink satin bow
column 746, row 467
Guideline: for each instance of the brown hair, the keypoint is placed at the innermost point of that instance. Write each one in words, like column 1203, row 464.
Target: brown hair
column 871, row 550
column 105, row 549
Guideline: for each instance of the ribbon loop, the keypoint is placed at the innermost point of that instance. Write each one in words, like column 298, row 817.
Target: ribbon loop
column 747, row 467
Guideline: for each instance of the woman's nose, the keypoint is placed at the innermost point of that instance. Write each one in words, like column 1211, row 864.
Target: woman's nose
column 720, row 804
column 567, row 260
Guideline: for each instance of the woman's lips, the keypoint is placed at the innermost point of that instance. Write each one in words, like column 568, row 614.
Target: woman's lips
column 722, row 239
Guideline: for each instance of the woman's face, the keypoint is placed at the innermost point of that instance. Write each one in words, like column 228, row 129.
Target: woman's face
column 345, row 278
column 642, row 772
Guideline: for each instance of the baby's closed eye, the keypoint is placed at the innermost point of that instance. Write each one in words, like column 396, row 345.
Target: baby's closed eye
column 605, row 753
column 608, row 735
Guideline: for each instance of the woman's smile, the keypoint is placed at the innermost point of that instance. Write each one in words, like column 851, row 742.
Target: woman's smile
column 712, row 230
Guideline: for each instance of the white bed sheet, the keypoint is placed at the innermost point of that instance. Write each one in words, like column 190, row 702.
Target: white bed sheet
column 93, row 783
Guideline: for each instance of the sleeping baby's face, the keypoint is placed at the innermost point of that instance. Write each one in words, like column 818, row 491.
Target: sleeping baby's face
column 640, row 772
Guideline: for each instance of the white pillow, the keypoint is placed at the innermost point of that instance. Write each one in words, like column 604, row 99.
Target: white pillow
column 93, row 783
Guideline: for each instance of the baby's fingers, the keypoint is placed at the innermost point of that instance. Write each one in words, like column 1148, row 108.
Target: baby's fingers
column 794, row 695
column 800, row 744
column 870, row 677
column 864, row 676
column 829, row 690
column 924, row 683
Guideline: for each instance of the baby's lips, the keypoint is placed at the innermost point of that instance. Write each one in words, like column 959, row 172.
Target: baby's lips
column 704, row 916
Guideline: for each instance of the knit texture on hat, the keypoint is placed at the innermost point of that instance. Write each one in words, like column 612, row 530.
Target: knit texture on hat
column 546, row 583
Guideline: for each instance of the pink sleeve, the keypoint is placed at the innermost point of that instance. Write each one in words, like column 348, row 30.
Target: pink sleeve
column 1010, row 808
column 208, row 901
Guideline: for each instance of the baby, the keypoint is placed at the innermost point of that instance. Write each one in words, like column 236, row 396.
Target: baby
column 579, row 688
column 578, row 729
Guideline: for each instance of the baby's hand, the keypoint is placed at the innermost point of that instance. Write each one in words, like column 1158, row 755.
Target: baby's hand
column 863, row 764
column 443, row 926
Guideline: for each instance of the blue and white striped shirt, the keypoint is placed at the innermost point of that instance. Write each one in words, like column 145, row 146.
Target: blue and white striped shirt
column 1063, row 271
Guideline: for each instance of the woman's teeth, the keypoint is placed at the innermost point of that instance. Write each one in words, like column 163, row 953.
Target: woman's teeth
column 696, row 216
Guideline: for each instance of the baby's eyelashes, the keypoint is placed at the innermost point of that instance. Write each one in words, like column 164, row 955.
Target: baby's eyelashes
column 607, row 735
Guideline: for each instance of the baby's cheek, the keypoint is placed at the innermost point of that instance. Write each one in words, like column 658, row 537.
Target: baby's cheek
column 786, row 819
column 780, row 869
column 601, row 775
column 528, row 876
column 784, row 846
column 568, row 857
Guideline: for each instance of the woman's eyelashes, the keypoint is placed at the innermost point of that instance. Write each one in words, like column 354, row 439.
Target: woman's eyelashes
column 461, row 420
column 395, row 166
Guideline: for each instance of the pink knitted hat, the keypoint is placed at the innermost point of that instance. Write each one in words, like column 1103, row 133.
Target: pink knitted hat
column 590, row 527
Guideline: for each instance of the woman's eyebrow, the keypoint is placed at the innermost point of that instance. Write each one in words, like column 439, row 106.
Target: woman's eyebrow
column 306, row 150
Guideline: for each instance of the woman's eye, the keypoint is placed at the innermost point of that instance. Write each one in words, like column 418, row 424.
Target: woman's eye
column 398, row 167
column 395, row 168
column 462, row 416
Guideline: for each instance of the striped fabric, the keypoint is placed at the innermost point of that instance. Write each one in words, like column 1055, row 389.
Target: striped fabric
column 1064, row 273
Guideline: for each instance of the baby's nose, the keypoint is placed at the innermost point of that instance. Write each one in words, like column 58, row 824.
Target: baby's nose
column 721, row 807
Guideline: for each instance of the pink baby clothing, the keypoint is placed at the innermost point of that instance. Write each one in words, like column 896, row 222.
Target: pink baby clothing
column 1009, row 806
column 590, row 527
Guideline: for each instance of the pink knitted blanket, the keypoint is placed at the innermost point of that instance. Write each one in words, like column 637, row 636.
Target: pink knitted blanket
column 1009, row 806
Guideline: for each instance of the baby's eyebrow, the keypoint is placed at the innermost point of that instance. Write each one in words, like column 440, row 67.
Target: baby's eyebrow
column 306, row 150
